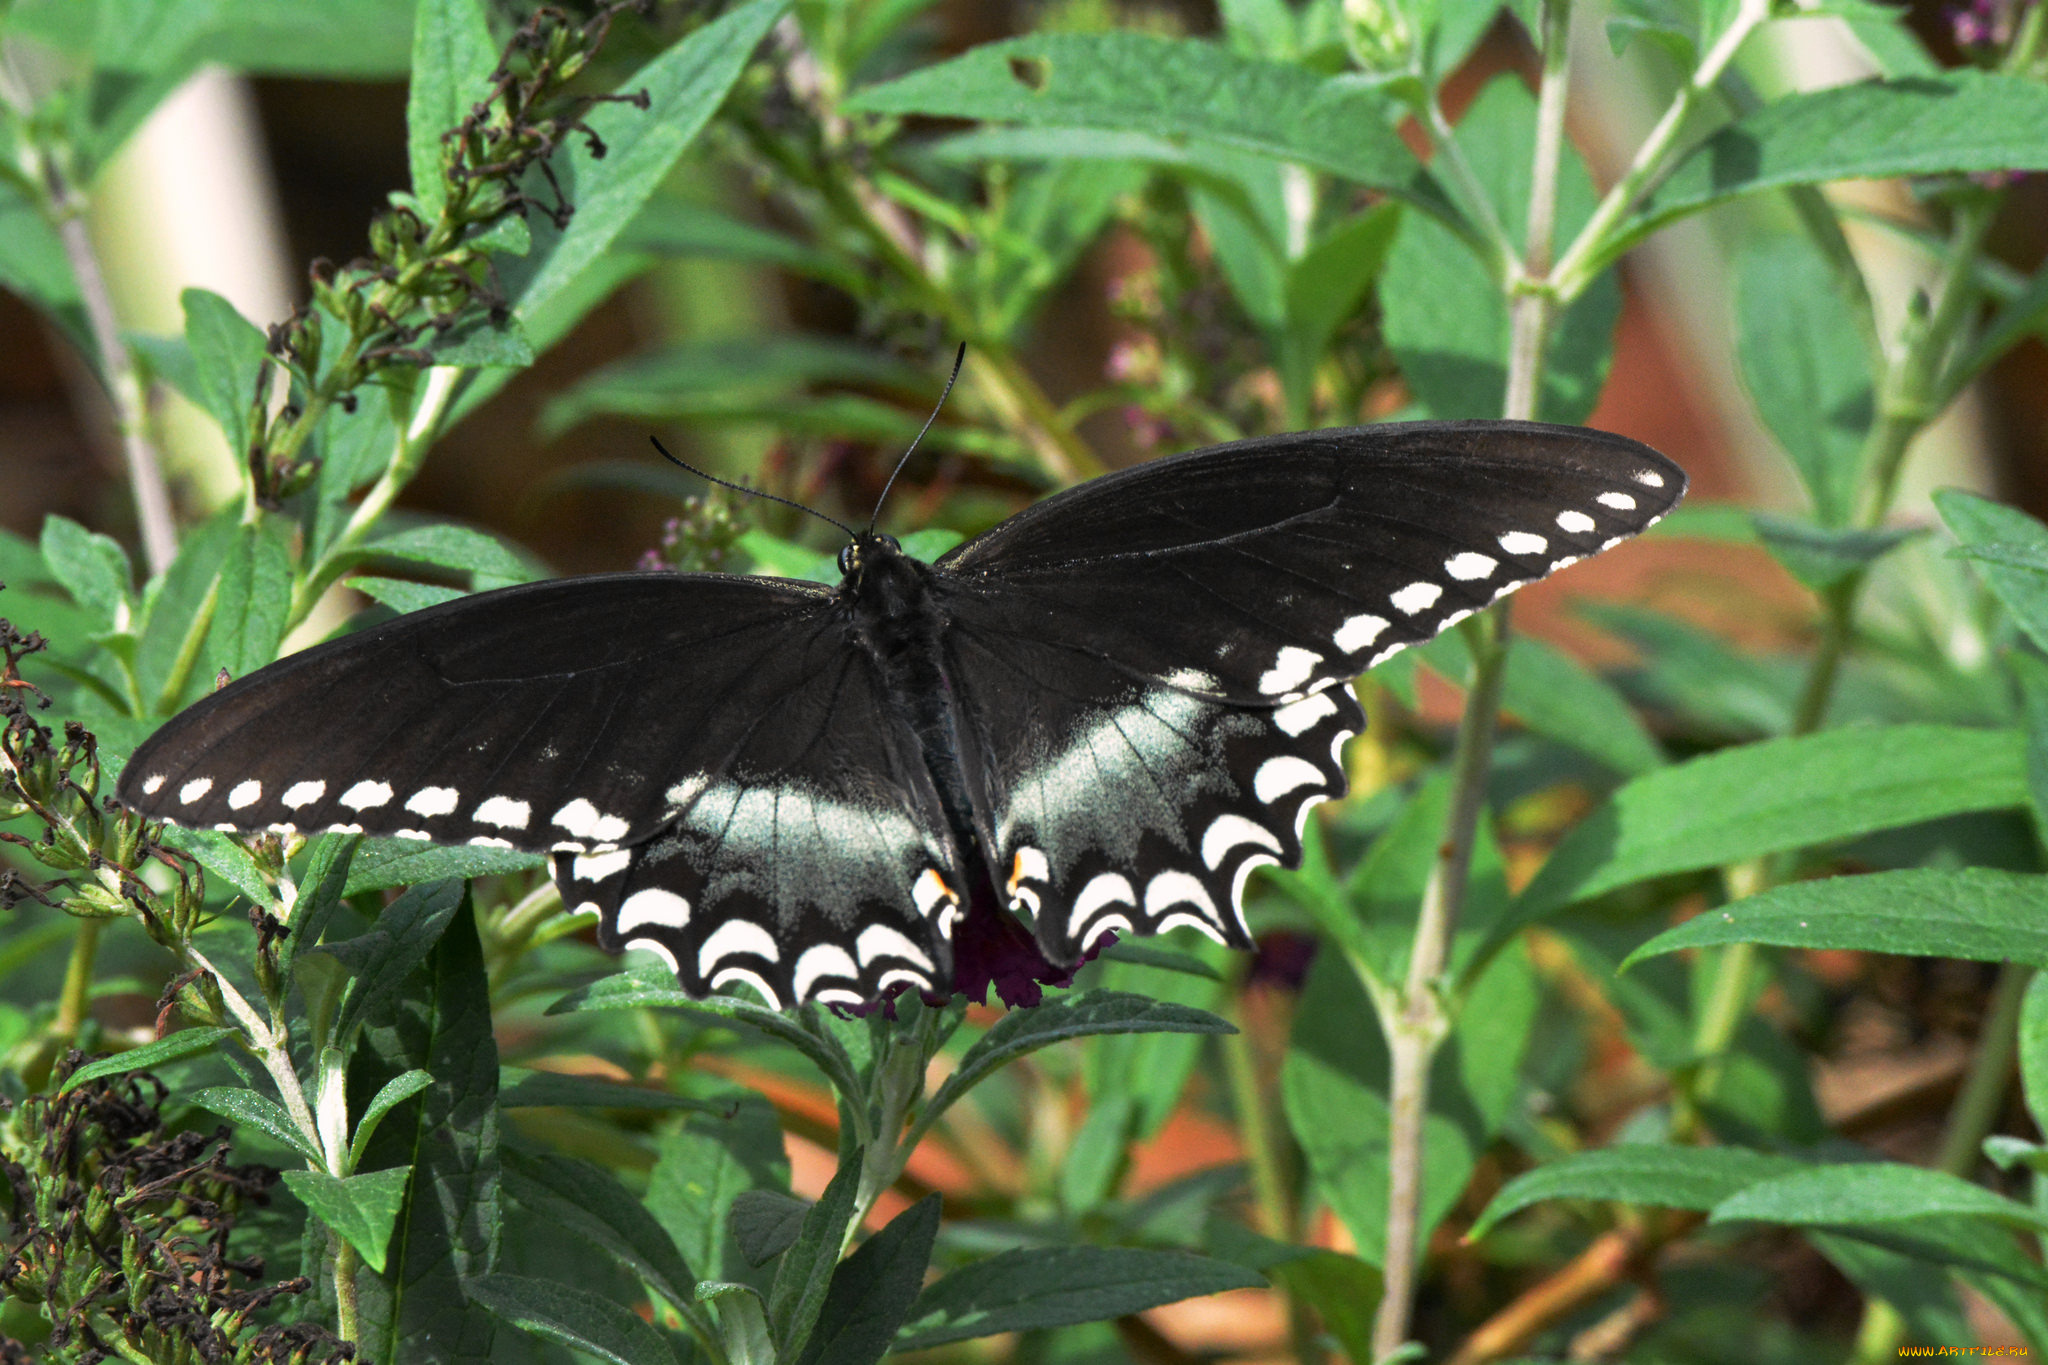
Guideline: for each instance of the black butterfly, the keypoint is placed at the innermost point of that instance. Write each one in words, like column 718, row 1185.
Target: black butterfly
column 1103, row 713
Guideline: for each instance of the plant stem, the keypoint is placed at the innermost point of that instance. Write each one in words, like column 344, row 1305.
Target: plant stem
column 347, row 1310
column 1423, row 1021
column 1597, row 241
column 77, row 992
column 146, row 484
column 1975, row 1111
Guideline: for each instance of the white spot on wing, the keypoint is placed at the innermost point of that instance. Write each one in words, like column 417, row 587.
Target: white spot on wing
column 1455, row 617
column 822, row 959
column 653, row 906
column 1178, row 888
column 1298, row 717
column 1227, row 832
column 1242, row 875
column 1103, row 889
column 733, row 937
column 1467, row 565
column 1578, row 523
column 154, row 785
column 1523, row 543
column 1620, row 502
column 1175, row 921
column 751, row 978
column 655, row 946
column 503, row 812
column 929, row 891
column 432, row 801
column 489, row 841
column 245, row 794
column 597, row 867
column 578, row 817
column 196, row 788
column 1291, row 668
column 1358, row 632
column 1278, row 776
column 418, row 836
column 879, row 940
column 363, row 795
column 300, row 795
column 1649, row 478
column 1416, row 597
column 1192, row 680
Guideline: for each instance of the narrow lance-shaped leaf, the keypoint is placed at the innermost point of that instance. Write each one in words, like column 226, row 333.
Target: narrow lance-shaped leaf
column 1059, row 1286
column 1976, row 913
column 1178, row 87
column 590, row 1323
column 1778, row 795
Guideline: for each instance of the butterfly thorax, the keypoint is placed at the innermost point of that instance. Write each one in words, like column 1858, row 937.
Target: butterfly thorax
column 897, row 618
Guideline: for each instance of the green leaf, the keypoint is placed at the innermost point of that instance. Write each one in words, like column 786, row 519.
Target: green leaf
column 1975, row 913
column 1958, row 121
column 591, row 1323
column 1059, row 1286
column 805, row 1271
column 254, row 1109
column 34, row 267
column 1645, row 1174
column 1184, row 88
column 702, row 1165
column 1774, row 796
column 448, row 1135
column 362, row 1208
column 180, row 602
column 93, row 568
column 1822, row 557
column 1076, row 1016
column 1980, row 524
column 403, row 596
column 680, row 380
column 1344, row 1291
column 2033, row 1050
column 519, row 1089
column 1326, row 287
column 685, row 85
column 654, row 987
column 393, row 1093
column 230, row 353
column 383, row 956
column 1147, row 1070
column 588, row 1201
column 253, row 602
column 452, row 60
column 1446, row 318
column 670, row 226
column 873, row 1290
column 766, row 1223
column 384, row 863
column 320, row 888
column 1805, row 358
column 1869, row 1192
column 183, row 1043
column 456, row 547
column 222, row 856
column 1561, row 699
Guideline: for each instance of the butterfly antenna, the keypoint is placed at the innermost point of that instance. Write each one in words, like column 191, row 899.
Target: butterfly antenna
column 958, row 356
column 750, row 492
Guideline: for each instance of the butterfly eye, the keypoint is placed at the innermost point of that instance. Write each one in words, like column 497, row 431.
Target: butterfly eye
column 848, row 558
column 890, row 542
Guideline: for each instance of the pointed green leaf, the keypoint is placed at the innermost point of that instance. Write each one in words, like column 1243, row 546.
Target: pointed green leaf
column 1870, row 1192
column 873, row 1290
column 1059, row 1286
column 452, row 59
column 183, row 1043
column 362, row 1208
column 1976, row 913
column 588, row 1201
column 590, row 1323
column 2009, row 550
column 1645, row 1174
column 255, row 1109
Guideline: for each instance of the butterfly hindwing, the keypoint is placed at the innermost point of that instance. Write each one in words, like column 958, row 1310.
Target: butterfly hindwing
column 1131, row 803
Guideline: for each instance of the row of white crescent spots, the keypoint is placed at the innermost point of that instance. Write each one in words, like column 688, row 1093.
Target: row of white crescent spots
column 662, row 908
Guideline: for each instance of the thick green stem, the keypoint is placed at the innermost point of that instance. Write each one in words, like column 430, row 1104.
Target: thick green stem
column 347, row 1310
column 76, row 998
